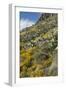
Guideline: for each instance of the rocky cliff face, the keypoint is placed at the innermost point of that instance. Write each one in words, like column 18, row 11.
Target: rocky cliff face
column 38, row 45
column 45, row 16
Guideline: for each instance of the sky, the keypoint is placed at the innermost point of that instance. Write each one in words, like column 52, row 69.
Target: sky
column 27, row 19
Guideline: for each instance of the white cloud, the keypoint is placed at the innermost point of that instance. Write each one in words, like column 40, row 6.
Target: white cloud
column 25, row 23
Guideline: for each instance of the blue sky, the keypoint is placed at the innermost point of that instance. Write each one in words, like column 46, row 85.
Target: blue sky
column 28, row 19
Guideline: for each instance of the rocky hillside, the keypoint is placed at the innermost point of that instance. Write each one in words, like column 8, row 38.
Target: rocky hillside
column 38, row 47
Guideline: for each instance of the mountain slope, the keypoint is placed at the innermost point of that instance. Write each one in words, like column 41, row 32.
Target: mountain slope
column 38, row 45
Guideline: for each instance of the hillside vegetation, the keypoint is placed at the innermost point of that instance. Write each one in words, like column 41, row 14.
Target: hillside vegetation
column 38, row 48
